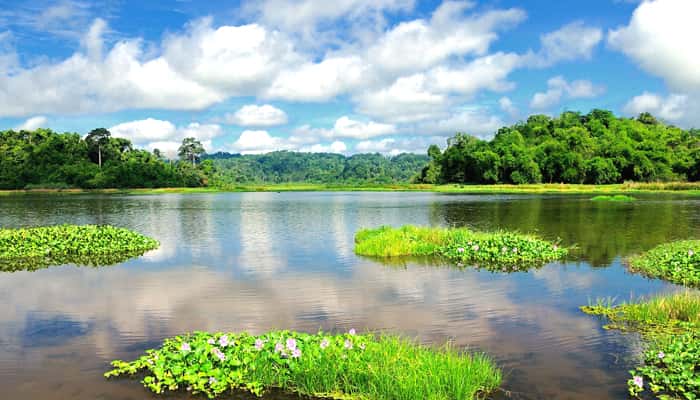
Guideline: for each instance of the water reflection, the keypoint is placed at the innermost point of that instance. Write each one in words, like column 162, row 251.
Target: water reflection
column 261, row 261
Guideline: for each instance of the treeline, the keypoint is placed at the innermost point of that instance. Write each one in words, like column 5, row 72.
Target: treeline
column 46, row 159
column 595, row 148
column 293, row 167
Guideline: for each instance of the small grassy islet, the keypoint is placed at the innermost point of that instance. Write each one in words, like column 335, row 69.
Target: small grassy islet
column 342, row 366
column 677, row 262
column 40, row 247
column 618, row 198
column 670, row 325
column 492, row 250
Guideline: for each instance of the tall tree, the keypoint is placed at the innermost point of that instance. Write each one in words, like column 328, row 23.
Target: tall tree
column 98, row 138
column 190, row 149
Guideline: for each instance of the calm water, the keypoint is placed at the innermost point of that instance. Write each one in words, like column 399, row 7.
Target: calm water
column 260, row 261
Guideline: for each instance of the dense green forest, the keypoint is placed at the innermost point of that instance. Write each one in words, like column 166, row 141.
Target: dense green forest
column 595, row 148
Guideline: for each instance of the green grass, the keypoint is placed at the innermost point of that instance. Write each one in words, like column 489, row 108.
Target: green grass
column 620, row 198
column 670, row 325
column 677, row 262
column 490, row 250
column 34, row 248
column 346, row 366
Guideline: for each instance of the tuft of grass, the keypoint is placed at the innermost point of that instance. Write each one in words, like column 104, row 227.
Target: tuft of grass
column 670, row 325
column 346, row 366
column 618, row 198
column 461, row 245
column 34, row 248
column 677, row 262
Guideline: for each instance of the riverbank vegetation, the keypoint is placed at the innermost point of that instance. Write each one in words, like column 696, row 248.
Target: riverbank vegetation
column 670, row 325
column 34, row 248
column 348, row 366
column 677, row 262
column 491, row 250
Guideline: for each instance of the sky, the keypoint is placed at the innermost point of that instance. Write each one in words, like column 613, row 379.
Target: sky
column 344, row 76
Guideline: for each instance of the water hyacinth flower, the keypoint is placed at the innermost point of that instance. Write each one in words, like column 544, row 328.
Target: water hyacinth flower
column 324, row 343
column 460, row 250
column 352, row 332
column 291, row 344
column 259, row 343
column 690, row 253
column 504, row 249
column 221, row 356
column 212, row 380
column 362, row 346
column 476, row 247
column 661, row 355
column 348, row 344
column 279, row 347
column 296, row 353
column 638, row 381
column 515, row 249
column 211, row 341
column 185, row 347
column 223, row 341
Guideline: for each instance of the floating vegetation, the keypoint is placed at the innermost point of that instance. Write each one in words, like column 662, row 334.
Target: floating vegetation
column 348, row 366
column 494, row 251
column 677, row 262
column 671, row 327
column 620, row 198
column 35, row 248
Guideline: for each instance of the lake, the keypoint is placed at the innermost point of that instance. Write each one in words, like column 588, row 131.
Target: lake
column 261, row 261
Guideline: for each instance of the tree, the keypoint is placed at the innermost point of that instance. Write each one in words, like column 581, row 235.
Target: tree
column 158, row 154
column 191, row 149
column 98, row 138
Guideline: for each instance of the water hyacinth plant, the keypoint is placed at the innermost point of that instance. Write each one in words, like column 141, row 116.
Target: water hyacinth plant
column 34, row 248
column 348, row 366
column 493, row 250
column 677, row 262
column 619, row 198
column 670, row 326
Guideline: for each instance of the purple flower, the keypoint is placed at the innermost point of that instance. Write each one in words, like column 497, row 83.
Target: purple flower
column 352, row 331
column 185, row 347
column 515, row 249
column 460, row 250
column 348, row 344
column 212, row 380
column 476, row 247
column 211, row 341
column 296, row 353
column 291, row 344
column 259, row 343
column 661, row 355
column 223, row 341
column 279, row 347
column 638, row 381
column 324, row 343
column 221, row 356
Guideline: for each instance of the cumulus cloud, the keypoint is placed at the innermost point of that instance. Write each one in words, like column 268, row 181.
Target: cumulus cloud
column 508, row 106
column 33, row 123
column 153, row 133
column 344, row 127
column 254, row 115
column 475, row 122
column 394, row 146
column 669, row 108
column 571, row 42
column 260, row 141
column 558, row 87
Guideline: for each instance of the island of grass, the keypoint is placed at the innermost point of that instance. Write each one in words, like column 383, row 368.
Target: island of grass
column 40, row 247
column 670, row 325
column 491, row 250
column 618, row 198
column 677, row 262
column 347, row 366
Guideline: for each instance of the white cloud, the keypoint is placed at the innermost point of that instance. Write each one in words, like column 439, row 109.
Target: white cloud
column 260, row 141
column 508, row 106
column 571, row 42
column 669, row 108
column 33, row 123
column 471, row 121
column 335, row 147
column 558, row 87
column 164, row 135
column 394, row 146
column 254, row 115
column 346, row 127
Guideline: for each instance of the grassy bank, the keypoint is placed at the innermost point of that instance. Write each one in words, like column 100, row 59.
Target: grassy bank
column 461, row 245
column 34, row 248
column 679, row 187
column 677, row 262
column 347, row 366
column 670, row 326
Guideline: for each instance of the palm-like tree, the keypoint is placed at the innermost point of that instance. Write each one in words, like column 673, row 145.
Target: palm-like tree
column 190, row 149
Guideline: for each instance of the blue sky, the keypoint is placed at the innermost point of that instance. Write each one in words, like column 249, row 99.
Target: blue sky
column 345, row 76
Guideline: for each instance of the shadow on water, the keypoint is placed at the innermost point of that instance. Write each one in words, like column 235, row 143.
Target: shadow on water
column 261, row 261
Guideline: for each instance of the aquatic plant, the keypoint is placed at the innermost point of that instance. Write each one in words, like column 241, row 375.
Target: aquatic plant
column 670, row 325
column 349, row 366
column 621, row 198
column 40, row 247
column 677, row 262
column 491, row 250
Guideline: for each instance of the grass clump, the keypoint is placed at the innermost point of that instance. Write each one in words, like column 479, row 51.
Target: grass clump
column 34, row 248
column 347, row 366
column 671, row 327
column 620, row 198
column 677, row 262
column 461, row 245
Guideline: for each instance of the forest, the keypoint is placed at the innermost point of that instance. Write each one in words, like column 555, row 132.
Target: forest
column 595, row 148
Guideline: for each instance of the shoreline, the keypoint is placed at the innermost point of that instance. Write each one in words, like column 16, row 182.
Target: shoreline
column 692, row 189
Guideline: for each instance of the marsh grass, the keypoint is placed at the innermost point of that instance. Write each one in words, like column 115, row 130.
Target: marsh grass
column 670, row 324
column 618, row 198
column 492, row 250
column 35, row 248
column 677, row 262
column 346, row 366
